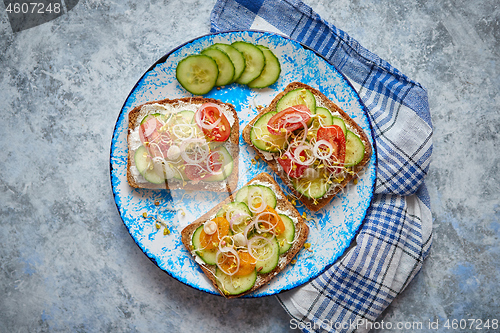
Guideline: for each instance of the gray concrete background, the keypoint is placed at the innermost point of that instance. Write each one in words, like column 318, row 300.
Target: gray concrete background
column 67, row 263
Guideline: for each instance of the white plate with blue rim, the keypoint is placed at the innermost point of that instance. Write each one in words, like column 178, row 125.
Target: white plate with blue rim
column 331, row 229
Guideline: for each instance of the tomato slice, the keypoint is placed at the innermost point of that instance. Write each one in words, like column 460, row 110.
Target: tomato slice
column 335, row 136
column 154, row 138
column 289, row 120
column 211, row 242
column 274, row 220
column 229, row 264
column 290, row 165
column 197, row 172
column 213, row 122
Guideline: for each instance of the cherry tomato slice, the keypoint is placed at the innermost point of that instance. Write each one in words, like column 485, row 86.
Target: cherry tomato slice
column 229, row 264
column 336, row 137
column 156, row 140
column 211, row 242
column 213, row 122
column 197, row 172
column 274, row 220
column 289, row 120
column 290, row 166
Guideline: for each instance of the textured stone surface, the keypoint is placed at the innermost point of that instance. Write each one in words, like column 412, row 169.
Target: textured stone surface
column 67, row 262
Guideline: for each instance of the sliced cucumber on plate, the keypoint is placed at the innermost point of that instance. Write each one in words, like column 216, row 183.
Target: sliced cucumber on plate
column 270, row 72
column 224, row 63
column 242, row 62
column 236, row 57
column 254, row 61
column 197, row 73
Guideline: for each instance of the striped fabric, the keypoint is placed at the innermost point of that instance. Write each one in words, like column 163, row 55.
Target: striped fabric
column 396, row 235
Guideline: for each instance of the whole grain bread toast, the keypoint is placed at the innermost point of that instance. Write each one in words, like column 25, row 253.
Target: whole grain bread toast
column 232, row 145
column 283, row 205
column 312, row 204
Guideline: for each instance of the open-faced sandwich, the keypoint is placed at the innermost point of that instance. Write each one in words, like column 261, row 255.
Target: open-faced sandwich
column 244, row 241
column 189, row 143
column 312, row 144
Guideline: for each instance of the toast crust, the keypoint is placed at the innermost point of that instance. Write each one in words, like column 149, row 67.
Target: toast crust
column 301, row 233
column 311, row 204
column 232, row 145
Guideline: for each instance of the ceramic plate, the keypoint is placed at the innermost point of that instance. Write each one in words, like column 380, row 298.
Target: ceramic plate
column 331, row 229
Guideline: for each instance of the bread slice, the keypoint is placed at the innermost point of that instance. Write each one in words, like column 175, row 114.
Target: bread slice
column 138, row 113
column 312, row 204
column 282, row 206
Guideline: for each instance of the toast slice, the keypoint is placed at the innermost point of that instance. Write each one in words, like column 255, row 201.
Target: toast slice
column 341, row 178
column 297, row 234
column 174, row 176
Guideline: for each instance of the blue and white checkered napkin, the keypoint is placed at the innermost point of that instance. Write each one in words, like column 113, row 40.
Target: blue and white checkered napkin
column 395, row 236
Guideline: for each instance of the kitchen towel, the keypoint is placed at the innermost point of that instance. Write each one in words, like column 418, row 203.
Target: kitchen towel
column 396, row 235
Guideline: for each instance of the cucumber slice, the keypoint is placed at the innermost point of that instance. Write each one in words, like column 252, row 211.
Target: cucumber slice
column 182, row 117
column 354, row 149
column 255, row 191
column 235, row 285
column 224, row 63
column 264, row 249
column 152, row 172
column 271, row 71
column 311, row 188
column 326, row 118
column 208, row 256
column 339, row 122
column 296, row 97
column 254, row 60
column 236, row 57
column 262, row 139
column 227, row 166
column 181, row 125
column 234, row 207
column 285, row 239
column 176, row 172
column 161, row 117
column 197, row 73
column 239, row 210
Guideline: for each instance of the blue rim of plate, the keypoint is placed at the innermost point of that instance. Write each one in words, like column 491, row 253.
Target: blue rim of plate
column 372, row 164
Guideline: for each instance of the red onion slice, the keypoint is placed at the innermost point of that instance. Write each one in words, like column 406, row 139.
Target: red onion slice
column 299, row 149
column 317, row 152
column 201, row 120
column 251, row 204
column 259, row 220
column 211, row 164
column 293, row 119
column 179, row 127
column 201, row 149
